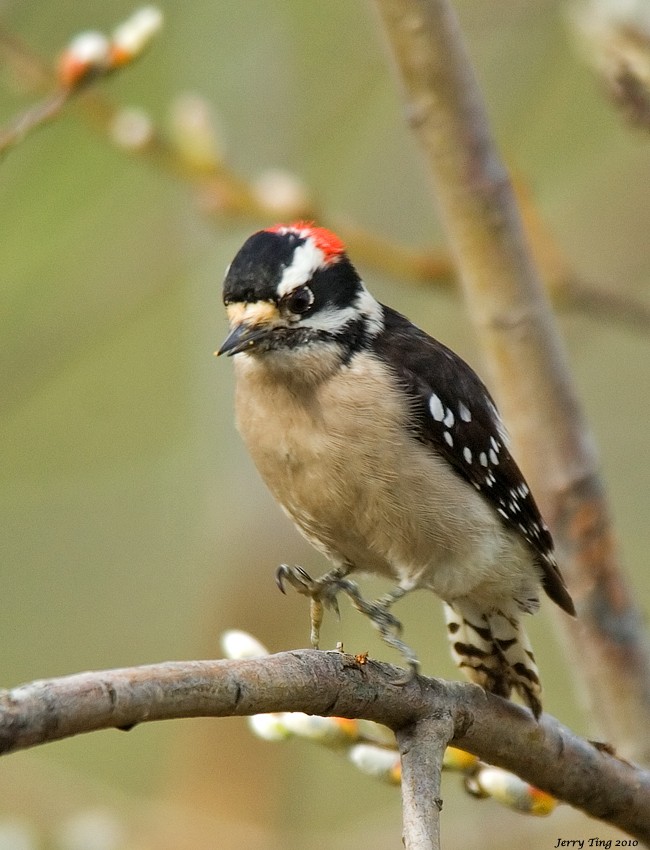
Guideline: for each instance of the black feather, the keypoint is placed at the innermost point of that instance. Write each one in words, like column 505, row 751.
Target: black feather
column 424, row 367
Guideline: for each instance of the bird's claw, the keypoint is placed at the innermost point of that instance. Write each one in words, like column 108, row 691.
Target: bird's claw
column 322, row 593
column 322, row 590
column 296, row 576
column 413, row 669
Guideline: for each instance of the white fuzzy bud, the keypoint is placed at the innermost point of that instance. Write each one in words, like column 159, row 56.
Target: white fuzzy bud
column 131, row 129
column 281, row 193
column 93, row 829
column 89, row 47
column 89, row 51
column 237, row 644
column 269, row 727
column 376, row 761
column 616, row 36
column 132, row 36
column 512, row 791
column 196, row 132
column 323, row 730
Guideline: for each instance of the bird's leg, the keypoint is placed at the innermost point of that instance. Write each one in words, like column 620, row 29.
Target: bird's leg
column 388, row 626
column 323, row 591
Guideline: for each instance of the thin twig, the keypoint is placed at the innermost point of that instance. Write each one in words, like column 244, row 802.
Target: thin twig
column 33, row 118
column 606, row 304
column 27, row 68
column 546, row 754
column 527, row 360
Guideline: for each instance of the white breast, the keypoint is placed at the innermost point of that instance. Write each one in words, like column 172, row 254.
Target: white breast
column 337, row 453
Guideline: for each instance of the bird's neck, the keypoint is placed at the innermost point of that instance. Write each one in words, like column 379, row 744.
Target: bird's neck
column 301, row 369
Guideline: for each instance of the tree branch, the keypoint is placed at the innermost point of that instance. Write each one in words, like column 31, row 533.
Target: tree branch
column 527, row 359
column 546, row 754
column 422, row 747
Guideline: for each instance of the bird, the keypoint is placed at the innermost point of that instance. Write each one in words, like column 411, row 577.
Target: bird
column 388, row 453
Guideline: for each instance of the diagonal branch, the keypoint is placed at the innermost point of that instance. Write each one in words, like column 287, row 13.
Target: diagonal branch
column 545, row 754
column 526, row 356
column 38, row 115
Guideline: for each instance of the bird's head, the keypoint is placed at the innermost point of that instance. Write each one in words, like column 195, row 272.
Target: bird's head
column 293, row 286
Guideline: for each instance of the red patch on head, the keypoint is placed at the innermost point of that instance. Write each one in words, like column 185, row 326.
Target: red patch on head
column 326, row 241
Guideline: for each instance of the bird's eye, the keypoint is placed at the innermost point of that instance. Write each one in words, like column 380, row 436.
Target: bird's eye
column 300, row 300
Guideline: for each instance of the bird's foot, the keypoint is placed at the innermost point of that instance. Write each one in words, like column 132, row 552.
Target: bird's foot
column 389, row 627
column 321, row 591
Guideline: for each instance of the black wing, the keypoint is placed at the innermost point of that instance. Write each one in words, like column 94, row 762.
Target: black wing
column 454, row 413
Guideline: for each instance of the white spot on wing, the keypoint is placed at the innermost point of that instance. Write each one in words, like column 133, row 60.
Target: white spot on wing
column 448, row 438
column 467, row 454
column 483, row 459
column 449, row 418
column 464, row 411
column 493, row 457
column 436, row 408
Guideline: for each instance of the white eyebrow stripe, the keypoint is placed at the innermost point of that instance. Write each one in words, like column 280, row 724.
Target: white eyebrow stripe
column 307, row 258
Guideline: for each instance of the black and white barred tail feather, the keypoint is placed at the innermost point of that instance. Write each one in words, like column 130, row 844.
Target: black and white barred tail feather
column 493, row 651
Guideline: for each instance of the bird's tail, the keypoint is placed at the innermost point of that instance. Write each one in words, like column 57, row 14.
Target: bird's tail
column 493, row 651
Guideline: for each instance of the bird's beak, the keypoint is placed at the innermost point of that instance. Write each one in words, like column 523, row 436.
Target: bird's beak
column 242, row 337
column 249, row 323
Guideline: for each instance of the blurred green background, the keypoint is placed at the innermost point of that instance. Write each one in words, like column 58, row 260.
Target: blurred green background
column 133, row 526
